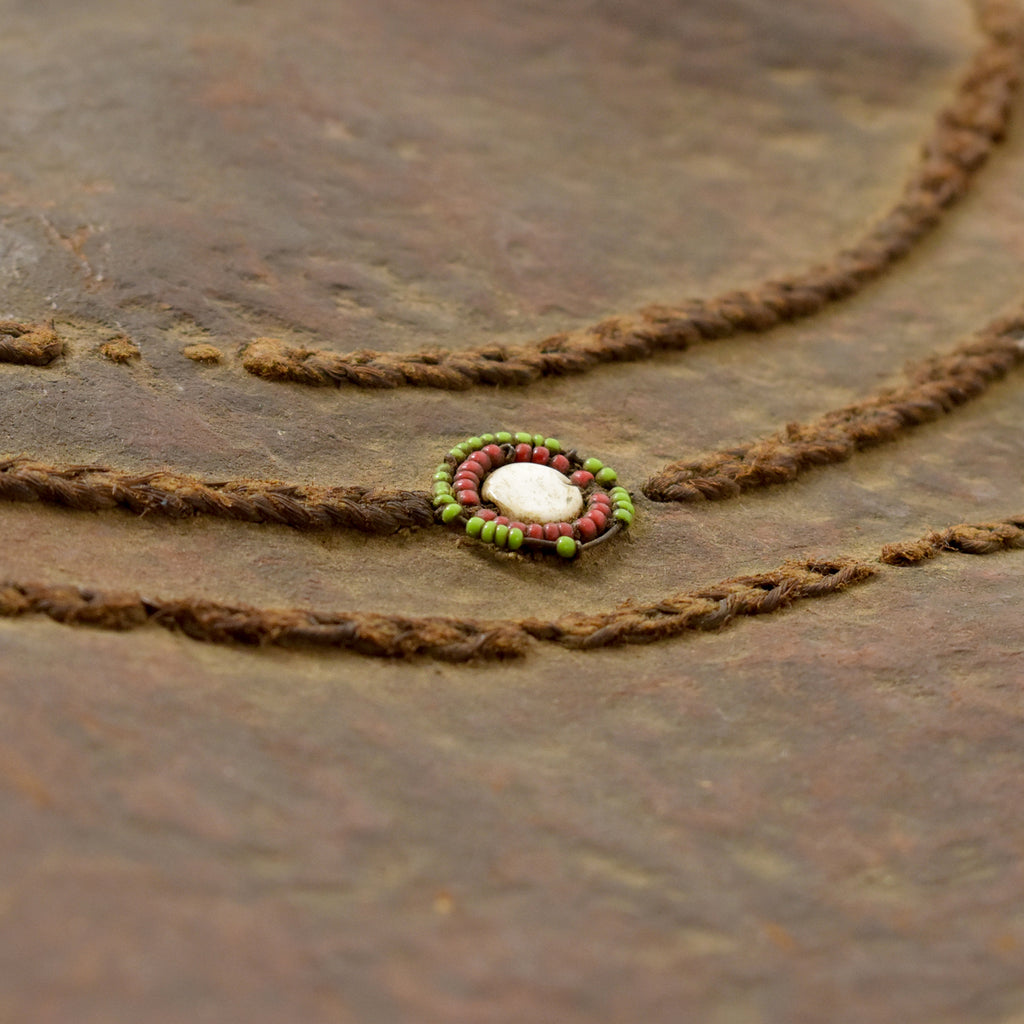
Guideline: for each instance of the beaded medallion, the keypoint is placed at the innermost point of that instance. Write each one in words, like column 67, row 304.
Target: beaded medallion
column 525, row 492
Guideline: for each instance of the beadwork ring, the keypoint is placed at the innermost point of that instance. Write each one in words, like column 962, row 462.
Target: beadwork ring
column 524, row 492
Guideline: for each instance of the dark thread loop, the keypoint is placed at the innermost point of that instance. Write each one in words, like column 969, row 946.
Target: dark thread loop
column 446, row 639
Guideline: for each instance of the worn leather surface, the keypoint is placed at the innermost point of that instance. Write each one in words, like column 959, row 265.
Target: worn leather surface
column 806, row 816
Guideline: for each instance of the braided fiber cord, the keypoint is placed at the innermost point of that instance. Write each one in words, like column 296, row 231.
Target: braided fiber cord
column 963, row 137
column 980, row 539
column 939, row 385
column 461, row 640
column 965, row 133
column 90, row 488
column 28, row 344
column 446, row 639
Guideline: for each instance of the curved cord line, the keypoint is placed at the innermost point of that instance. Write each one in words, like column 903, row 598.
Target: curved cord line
column 940, row 384
column 965, row 132
column 463, row 640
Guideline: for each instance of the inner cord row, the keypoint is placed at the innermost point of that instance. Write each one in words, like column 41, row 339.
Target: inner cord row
column 966, row 130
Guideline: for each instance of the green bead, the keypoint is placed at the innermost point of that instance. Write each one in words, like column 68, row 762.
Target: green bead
column 501, row 535
column 619, row 492
column 626, row 506
column 488, row 438
column 458, row 453
column 443, row 476
column 474, row 526
column 442, row 488
column 624, row 515
column 522, row 438
column 606, row 475
column 515, row 539
column 566, row 547
column 451, row 512
column 593, row 466
column 503, row 437
column 552, row 445
column 473, row 443
column 537, row 440
column 488, row 531
column 444, row 499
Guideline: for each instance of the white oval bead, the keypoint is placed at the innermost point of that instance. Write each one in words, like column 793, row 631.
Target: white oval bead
column 530, row 493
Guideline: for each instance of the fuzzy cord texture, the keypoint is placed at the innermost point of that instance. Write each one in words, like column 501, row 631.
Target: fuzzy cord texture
column 442, row 638
column 965, row 132
column 976, row 539
column 28, row 344
column 938, row 385
column 90, row 488
column 466, row 639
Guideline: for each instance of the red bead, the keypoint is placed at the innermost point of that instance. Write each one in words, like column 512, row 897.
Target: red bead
column 581, row 478
column 552, row 531
column 599, row 517
column 464, row 480
column 561, row 463
column 587, row 528
column 517, row 526
column 495, row 454
column 503, row 521
column 473, row 468
column 565, row 529
column 536, row 531
column 469, row 498
column 524, row 452
column 481, row 458
column 600, row 498
column 487, row 514
column 541, row 455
